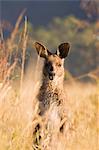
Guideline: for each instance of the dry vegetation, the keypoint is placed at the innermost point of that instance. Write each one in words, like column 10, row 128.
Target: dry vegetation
column 19, row 109
column 18, row 115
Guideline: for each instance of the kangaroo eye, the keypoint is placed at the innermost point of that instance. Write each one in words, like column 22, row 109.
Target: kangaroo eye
column 59, row 65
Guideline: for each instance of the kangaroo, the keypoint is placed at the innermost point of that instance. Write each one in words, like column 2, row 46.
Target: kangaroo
column 51, row 90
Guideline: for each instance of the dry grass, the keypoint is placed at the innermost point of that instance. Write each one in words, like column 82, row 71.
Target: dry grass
column 19, row 110
column 18, row 117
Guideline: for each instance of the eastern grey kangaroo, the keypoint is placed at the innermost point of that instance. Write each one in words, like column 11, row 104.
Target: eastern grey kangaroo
column 51, row 92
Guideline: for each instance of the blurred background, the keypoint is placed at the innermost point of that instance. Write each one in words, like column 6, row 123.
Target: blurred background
column 52, row 22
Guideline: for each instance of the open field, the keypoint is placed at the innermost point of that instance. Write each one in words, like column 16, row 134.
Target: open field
column 18, row 116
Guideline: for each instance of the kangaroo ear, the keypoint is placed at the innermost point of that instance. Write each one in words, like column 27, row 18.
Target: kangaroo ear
column 41, row 50
column 63, row 50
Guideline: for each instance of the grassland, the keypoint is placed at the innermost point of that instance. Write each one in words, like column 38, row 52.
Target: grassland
column 18, row 117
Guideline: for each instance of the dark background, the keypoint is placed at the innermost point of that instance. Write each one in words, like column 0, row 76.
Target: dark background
column 40, row 12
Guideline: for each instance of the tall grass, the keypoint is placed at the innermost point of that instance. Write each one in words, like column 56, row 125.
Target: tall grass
column 19, row 110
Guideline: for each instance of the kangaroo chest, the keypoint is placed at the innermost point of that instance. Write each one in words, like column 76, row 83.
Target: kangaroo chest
column 49, row 94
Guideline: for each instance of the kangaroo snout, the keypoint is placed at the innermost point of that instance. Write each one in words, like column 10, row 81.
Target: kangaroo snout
column 51, row 72
column 51, row 68
column 51, row 90
column 51, row 75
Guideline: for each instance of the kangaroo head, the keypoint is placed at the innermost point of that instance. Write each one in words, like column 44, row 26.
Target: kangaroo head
column 54, row 62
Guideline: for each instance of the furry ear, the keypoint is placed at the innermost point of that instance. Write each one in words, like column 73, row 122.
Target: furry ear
column 63, row 50
column 41, row 50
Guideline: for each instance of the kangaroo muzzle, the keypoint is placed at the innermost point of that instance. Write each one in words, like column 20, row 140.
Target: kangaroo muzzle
column 51, row 76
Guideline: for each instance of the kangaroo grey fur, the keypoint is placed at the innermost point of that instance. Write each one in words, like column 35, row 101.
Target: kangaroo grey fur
column 51, row 91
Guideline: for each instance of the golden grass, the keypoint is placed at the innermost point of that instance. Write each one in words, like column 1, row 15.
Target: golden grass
column 18, row 117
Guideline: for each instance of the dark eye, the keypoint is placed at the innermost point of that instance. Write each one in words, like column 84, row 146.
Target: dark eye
column 59, row 65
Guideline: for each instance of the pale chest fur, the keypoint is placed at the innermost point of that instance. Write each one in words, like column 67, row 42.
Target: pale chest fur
column 50, row 93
